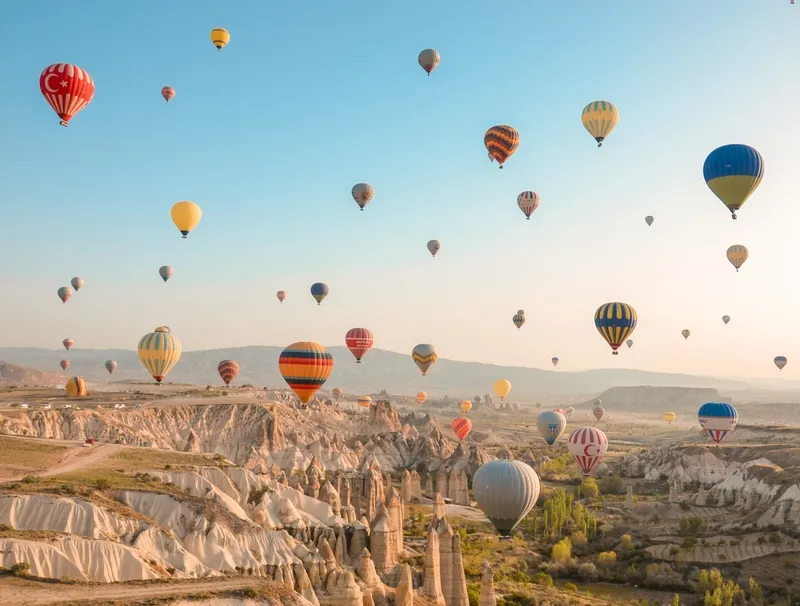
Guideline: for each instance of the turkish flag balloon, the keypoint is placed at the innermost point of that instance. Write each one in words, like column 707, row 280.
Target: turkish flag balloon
column 67, row 88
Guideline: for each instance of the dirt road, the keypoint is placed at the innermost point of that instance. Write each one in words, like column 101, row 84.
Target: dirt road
column 29, row 591
column 75, row 459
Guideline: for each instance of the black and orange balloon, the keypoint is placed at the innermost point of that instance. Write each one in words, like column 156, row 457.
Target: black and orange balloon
column 501, row 141
column 228, row 369
column 462, row 426
column 305, row 366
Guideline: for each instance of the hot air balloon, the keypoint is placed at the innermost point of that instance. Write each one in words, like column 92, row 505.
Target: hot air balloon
column 64, row 293
column 281, row 295
column 64, row 364
column 528, row 201
column 159, row 351
column 186, row 215
column 502, row 387
column 615, row 322
column 737, row 255
column 518, row 319
column 554, row 360
column 76, row 388
column 421, row 397
column 424, row 356
column 77, row 283
column 561, row 410
column 551, row 425
column 462, row 426
column 466, row 405
column 669, row 417
column 726, row 319
column 111, row 366
column 68, row 343
column 337, row 393
column 780, row 362
column 629, row 343
column 717, row 419
column 733, row 172
column 429, row 59
column 364, row 401
column 319, row 291
column 686, row 332
column 434, row 246
column 220, row 37
column 165, row 271
column 228, row 369
column 501, row 141
column 67, row 88
column 598, row 411
column 305, row 366
column 600, row 118
column 359, row 341
column 587, row 445
column 649, row 220
column 568, row 411
column 167, row 92
column 362, row 194
column 506, row 490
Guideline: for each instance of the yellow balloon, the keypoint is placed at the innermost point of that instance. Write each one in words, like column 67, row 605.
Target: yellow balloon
column 186, row 215
column 466, row 405
column 421, row 397
column 364, row 401
column 502, row 387
column 220, row 37
column 159, row 351
column 76, row 388
column 669, row 417
column 600, row 118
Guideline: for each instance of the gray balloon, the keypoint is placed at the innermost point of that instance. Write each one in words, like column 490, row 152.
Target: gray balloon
column 551, row 425
column 434, row 246
column 506, row 491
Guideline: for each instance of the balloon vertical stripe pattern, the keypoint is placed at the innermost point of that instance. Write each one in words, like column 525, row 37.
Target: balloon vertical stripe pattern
column 67, row 88
column 359, row 341
column 159, row 352
column 717, row 419
column 615, row 322
column 588, row 446
column 505, row 491
column 305, row 367
column 599, row 119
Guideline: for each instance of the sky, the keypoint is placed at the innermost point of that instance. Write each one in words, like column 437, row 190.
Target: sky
column 269, row 135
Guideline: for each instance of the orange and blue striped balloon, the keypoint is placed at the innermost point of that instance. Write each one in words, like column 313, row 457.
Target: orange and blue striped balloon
column 305, row 366
column 615, row 322
column 228, row 369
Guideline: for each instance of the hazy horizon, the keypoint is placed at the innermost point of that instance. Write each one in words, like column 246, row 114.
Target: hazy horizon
column 269, row 135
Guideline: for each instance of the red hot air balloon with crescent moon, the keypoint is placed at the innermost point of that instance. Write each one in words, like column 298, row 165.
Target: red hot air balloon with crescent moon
column 305, row 366
column 67, row 88
column 167, row 92
column 462, row 426
column 588, row 446
column 359, row 341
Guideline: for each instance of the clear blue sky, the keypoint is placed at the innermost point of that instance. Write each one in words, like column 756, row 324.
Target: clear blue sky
column 269, row 135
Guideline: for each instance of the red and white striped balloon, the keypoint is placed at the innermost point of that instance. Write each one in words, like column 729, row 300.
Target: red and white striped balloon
column 167, row 92
column 359, row 341
column 528, row 201
column 588, row 446
column 67, row 88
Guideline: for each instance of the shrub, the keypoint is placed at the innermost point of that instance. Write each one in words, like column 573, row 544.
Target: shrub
column 102, row 484
column 607, row 559
column 543, row 579
column 30, row 479
column 587, row 571
column 21, row 569
column 473, row 594
column 691, row 525
column 627, row 542
column 689, row 543
column 589, row 488
column 662, row 575
column 612, row 485
column 570, row 587
column 562, row 551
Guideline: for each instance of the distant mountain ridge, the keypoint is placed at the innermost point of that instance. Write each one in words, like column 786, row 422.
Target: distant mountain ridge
column 380, row 369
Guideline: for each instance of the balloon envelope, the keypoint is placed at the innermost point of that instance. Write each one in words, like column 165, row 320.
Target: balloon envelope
column 780, row 362
column 305, row 366
column 364, row 401
column 669, row 417
column 67, row 88
column 159, row 351
column 599, row 119
column 588, row 446
column 717, row 419
column 359, row 341
column 554, row 360
column 462, row 426
column 518, row 320
column 220, row 37
column 428, row 59
column 501, row 142
column 629, row 343
column 281, row 295
column 167, row 92
column 165, row 271
column 506, row 490
column 733, row 172
column 528, row 201
column 64, row 293
column 649, row 220
column 434, row 246
column 186, row 215
column 421, row 397
column 228, row 369
column 550, row 425
column 686, row 332
column 76, row 388
column 111, row 366
column 737, row 255
column 64, row 364
column 615, row 322
column 424, row 356
column 726, row 319
column 466, row 405
column 67, row 343
column 319, row 291
column 362, row 193
column 77, row 282
column 502, row 387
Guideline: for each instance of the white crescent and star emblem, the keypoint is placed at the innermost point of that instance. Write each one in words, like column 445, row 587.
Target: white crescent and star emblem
column 47, row 83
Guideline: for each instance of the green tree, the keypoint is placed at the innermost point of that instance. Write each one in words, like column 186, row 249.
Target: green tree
column 676, row 600
column 589, row 488
column 562, row 551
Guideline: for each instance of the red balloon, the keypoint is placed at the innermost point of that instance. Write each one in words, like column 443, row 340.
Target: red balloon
column 167, row 92
column 462, row 426
column 359, row 341
column 68, row 343
column 64, row 364
column 67, row 88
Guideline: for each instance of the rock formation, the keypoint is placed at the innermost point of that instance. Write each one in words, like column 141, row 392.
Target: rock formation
column 487, row 597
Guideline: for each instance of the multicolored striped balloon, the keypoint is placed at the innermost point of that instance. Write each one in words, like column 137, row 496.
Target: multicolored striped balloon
column 159, row 351
column 424, row 356
column 319, row 291
column 717, row 419
column 337, row 393
column 364, row 401
column 615, row 322
column 64, row 364
column 359, row 341
column 462, row 426
column 421, row 397
column 228, row 369
column 501, row 142
column 599, row 119
column 588, row 446
column 305, row 366
column 528, row 201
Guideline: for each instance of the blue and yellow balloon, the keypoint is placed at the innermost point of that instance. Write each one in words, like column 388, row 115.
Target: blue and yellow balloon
column 733, row 172
column 615, row 322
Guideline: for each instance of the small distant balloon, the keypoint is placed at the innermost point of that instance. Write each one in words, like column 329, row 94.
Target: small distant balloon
column 737, row 255
column 220, row 37
column 528, row 201
column 77, row 283
column 167, row 92
column 434, row 246
column 362, row 193
column 669, row 417
column 518, row 319
column 554, row 361
column 685, row 332
column 599, row 119
column 502, row 387
column 629, row 343
column 588, row 446
column 726, row 319
column 364, row 401
column 165, row 271
column 64, row 293
column 64, row 364
column 780, row 362
column 649, row 220
column 421, row 397
column 428, row 59
column 111, row 366
column 425, row 356
column 466, row 405
column 228, row 369
column 68, row 343
column 281, row 295
column 319, row 291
